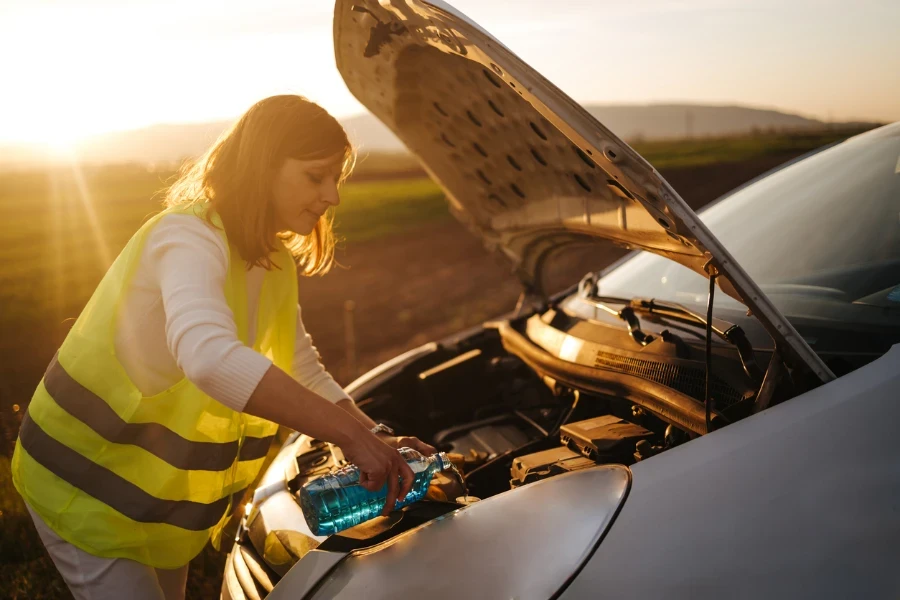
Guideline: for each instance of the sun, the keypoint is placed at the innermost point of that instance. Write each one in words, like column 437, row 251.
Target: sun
column 57, row 141
column 62, row 146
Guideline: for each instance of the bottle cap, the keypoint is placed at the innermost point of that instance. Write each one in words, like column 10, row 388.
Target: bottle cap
column 445, row 461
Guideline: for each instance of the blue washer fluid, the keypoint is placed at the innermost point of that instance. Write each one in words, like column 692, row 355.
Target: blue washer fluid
column 335, row 502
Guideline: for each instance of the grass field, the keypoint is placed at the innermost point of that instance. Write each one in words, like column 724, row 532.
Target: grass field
column 59, row 230
column 697, row 152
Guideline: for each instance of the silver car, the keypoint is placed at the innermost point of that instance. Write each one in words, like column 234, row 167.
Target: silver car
column 712, row 417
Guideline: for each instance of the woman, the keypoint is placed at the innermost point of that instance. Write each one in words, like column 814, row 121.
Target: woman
column 161, row 403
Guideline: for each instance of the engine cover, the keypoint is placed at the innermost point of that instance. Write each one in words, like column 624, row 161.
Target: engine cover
column 487, row 438
column 604, row 439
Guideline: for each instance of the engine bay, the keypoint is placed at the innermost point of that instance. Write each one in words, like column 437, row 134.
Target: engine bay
column 526, row 400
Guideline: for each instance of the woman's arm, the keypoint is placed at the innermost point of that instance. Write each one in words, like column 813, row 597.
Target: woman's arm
column 189, row 262
column 308, row 368
column 310, row 372
column 281, row 399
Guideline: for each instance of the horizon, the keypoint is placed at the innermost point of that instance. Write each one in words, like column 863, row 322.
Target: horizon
column 39, row 145
column 702, row 52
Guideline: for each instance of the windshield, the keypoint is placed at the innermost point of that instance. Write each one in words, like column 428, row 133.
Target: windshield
column 825, row 227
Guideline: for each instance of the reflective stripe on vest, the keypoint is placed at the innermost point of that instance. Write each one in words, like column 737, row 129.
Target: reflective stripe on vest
column 114, row 491
column 155, row 438
column 146, row 478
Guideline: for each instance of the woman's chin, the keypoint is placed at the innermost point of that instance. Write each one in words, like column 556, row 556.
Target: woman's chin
column 304, row 226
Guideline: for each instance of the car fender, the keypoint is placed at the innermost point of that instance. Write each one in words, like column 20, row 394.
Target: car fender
column 801, row 500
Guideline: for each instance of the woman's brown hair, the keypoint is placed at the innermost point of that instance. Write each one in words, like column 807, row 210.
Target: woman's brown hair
column 235, row 176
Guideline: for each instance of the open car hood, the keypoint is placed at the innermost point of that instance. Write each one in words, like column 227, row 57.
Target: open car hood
column 523, row 165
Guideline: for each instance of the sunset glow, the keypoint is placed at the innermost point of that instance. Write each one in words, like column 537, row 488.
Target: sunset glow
column 99, row 66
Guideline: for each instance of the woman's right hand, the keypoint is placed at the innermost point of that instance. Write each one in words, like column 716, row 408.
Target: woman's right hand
column 279, row 398
column 377, row 463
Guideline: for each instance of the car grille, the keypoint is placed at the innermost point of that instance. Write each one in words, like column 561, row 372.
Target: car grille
column 253, row 577
column 686, row 380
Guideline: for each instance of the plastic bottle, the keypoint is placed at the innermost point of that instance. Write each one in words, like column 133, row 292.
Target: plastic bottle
column 335, row 502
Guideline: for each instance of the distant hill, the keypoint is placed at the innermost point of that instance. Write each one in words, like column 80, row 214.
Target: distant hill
column 173, row 143
column 676, row 121
column 371, row 135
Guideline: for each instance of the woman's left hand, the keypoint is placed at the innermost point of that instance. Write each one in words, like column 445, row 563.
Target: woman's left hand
column 415, row 443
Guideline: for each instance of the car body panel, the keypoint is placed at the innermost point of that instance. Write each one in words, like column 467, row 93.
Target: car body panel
column 546, row 530
column 359, row 387
column 799, row 501
column 524, row 166
column 305, row 575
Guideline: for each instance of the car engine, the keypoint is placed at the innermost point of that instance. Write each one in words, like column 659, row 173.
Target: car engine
column 524, row 400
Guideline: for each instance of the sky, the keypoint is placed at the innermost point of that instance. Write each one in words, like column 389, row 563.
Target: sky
column 73, row 69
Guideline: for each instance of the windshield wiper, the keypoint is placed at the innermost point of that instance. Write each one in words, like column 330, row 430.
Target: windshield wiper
column 586, row 288
column 627, row 315
column 731, row 333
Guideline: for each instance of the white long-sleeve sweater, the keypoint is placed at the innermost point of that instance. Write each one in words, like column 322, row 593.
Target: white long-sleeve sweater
column 175, row 322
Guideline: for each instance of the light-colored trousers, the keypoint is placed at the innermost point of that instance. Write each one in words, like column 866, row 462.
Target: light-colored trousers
column 91, row 577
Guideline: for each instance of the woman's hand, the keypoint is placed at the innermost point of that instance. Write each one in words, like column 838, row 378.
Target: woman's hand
column 401, row 441
column 279, row 398
column 378, row 462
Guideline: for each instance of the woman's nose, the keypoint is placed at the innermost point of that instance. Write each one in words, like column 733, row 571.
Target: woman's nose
column 332, row 196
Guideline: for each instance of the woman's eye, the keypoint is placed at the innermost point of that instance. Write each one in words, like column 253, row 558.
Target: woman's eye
column 315, row 178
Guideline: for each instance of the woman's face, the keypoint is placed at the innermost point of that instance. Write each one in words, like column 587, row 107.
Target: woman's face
column 303, row 190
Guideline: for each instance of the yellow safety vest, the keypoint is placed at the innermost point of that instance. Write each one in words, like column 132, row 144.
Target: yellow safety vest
column 148, row 478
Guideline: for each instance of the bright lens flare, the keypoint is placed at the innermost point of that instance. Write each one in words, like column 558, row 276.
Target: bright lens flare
column 57, row 142
column 61, row 147
column 88, row 204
